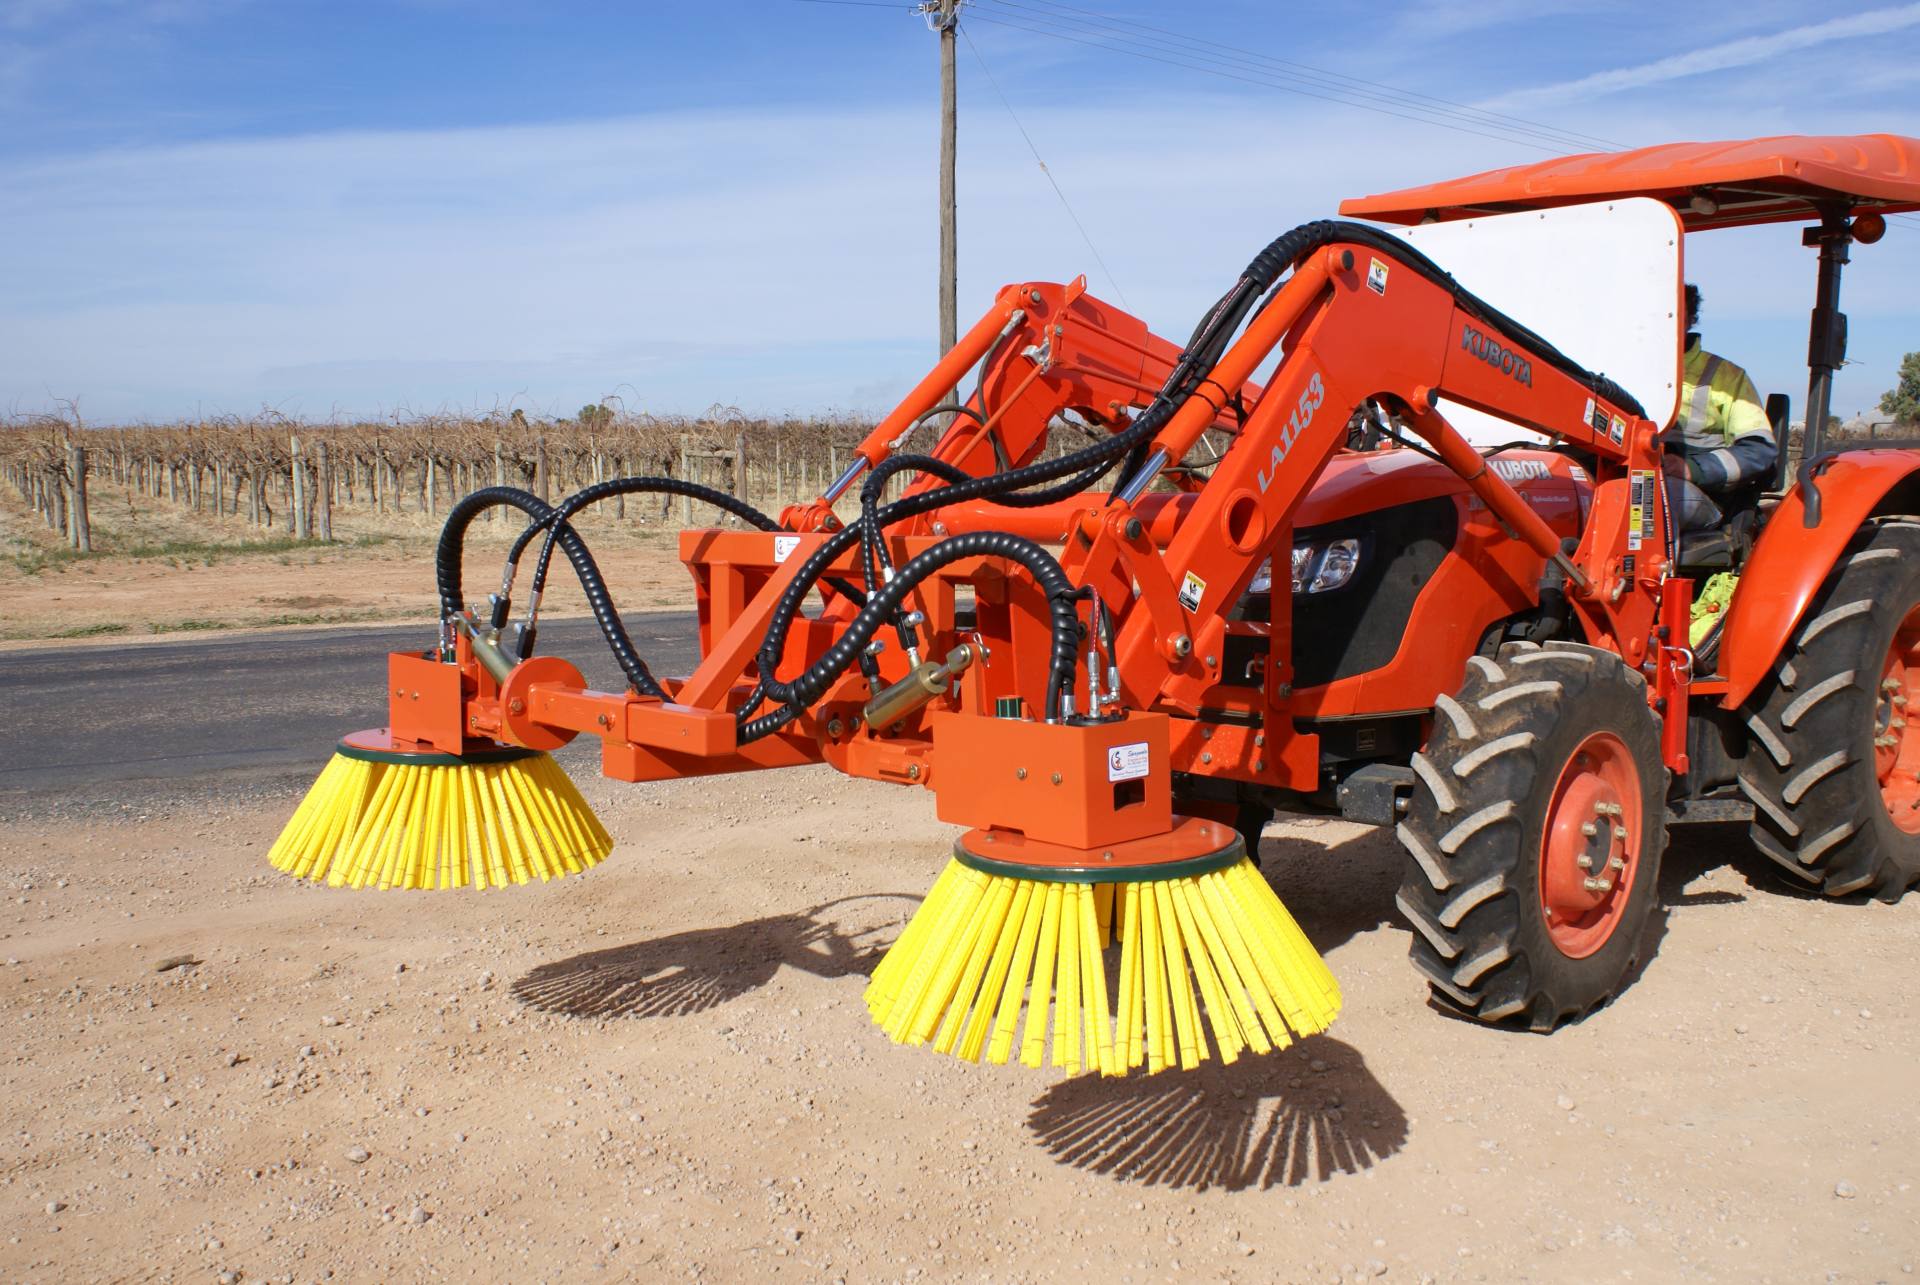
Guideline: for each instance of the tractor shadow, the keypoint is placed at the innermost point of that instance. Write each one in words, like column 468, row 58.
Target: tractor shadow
column 1263, row 1122
column 1336, row 889
column 691, row 972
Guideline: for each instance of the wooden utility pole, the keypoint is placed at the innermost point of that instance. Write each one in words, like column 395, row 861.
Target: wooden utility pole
column 946, row 16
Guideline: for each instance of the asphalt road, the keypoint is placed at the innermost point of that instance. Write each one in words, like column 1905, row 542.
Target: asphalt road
column 102, row 724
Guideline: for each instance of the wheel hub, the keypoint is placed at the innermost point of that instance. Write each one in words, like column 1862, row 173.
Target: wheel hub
column 1590, row 845
column 1896, row 742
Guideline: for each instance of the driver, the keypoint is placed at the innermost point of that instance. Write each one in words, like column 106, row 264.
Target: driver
column 1720, row 441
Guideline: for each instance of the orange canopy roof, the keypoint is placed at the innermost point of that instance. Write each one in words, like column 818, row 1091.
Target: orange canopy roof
column 1760, row 180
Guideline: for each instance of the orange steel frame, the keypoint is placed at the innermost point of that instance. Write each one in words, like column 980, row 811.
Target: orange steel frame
column 1045, row 348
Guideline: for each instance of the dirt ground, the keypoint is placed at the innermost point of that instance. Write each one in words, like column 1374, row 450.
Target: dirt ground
column 159, row 571
column 663, row 1069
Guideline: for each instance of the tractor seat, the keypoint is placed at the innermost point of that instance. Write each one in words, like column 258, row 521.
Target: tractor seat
column 1708, row 550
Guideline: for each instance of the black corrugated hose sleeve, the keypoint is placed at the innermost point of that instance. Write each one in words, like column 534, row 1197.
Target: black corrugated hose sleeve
column 628, row 486
column 447, row 573
column 1046, row 571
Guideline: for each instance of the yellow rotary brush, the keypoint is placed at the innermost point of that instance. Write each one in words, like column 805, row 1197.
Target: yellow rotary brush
column 1201, row 934
column 381, row 817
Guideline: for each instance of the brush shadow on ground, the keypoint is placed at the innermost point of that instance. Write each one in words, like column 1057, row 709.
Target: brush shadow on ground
column 1265, row 1121
column 691, row 972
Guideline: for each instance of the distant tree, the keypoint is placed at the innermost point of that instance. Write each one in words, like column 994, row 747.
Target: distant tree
column 518, row 418
column 1903, row 400
column 595, row 416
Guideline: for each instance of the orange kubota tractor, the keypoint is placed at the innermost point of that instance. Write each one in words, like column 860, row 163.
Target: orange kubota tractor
column 1112, row 689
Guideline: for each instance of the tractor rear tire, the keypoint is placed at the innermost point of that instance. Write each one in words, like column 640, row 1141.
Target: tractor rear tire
column 1834, row 768
column 1534, row 834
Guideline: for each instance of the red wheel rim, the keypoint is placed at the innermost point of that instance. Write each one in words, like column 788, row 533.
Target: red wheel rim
column 1896, row 743
column 1590, row 846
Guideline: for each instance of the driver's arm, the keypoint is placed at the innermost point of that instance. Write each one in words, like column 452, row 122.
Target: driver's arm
column 1750, row 450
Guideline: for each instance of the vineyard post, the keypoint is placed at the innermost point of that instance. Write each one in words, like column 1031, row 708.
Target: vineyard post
column 300, row 520
column 686, row 471
column 740, row 465
column 80, row 530
column 499, row 475
column 323, row 490
column 540, row 480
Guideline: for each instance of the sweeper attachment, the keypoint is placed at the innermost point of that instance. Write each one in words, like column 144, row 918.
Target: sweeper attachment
column 1108, row 691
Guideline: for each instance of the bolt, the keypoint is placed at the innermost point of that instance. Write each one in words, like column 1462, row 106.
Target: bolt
column 1019, row 774
column 1259, row 765
column 517, row 706
column 1890, row 685
column 1259, row 738
column 1598, row 885
column 1897, row 723
column 1106, row 856
column 1584, row 861
column 1210, row 662
column 835, row 727
column 1589, row 829
column 1206, row 758
column 1899, row 702
column 913, row 771
column 1134, row 528
column 1206, row 733
column 1182, row 646
column 1616, row 863
column 605, row 720
column 1056, row 778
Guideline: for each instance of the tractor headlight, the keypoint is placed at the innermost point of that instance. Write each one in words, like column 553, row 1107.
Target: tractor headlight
column 1337, row 565
column 1318, row 568
column 1302, row 565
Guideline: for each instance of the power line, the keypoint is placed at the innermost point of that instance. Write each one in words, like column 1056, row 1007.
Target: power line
column 1064, row 203
column 1312, row 76
column 1237, row 75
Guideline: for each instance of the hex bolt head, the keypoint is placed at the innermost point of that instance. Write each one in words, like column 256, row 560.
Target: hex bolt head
column 913, row 771
column 1207, row 757
column 1616, row 863
column 835, row 727
column 1584, row 861
column 1019, row 774
column 1056, row 778
column 1589, row 829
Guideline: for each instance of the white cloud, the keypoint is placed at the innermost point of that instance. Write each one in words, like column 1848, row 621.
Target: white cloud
column 1717, row 56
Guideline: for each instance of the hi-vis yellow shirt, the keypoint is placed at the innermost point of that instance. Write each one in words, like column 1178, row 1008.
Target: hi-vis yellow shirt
column 1718, row 408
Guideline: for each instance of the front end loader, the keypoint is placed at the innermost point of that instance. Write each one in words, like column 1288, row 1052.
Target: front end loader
column 1307, row 591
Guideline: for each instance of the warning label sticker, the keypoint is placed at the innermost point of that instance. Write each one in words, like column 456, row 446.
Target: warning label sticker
column 1192, row 590
column 1640, row 501
column 1617, row 430
column 783, row 546
column 1377, row 277
column 1127, row 762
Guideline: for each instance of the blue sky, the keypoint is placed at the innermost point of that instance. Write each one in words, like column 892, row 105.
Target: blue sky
column 212, row 205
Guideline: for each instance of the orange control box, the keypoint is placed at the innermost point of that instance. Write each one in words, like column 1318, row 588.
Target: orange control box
column 1080, row 787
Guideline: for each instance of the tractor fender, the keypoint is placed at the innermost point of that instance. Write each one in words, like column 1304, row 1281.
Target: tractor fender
column 1791, row 561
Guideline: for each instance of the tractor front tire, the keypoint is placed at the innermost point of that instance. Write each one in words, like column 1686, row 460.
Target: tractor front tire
column 1834, row 768
column 1534, row 835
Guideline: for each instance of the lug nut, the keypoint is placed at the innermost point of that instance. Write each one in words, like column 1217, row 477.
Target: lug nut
column 1890, row 685
column 1589, row 829
column 1616, row 863
column 1584, row 861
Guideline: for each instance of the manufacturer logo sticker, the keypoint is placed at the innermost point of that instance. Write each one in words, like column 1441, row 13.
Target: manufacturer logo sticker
column 783, row 546
column 1128, row 762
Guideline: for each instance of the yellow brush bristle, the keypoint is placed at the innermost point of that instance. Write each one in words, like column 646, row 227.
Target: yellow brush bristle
column 1220, row 942
column 440, row 825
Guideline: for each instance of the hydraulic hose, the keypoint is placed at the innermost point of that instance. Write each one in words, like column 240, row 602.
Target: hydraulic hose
column 453, row 542
column 808, row 686
column 625, row 486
